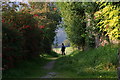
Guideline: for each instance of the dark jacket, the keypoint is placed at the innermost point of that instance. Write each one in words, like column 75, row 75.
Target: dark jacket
column 63, row 48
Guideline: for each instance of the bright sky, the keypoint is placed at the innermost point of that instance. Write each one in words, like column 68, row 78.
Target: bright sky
column 19, row 0
column 32, row 0
column 24, row 1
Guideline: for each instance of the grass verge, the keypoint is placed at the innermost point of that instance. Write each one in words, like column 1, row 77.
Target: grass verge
column 95, row 63
column 30, row 69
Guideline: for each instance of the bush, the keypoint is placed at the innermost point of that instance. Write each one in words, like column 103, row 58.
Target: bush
column 12, row 45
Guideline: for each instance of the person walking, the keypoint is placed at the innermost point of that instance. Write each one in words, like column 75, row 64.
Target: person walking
column 63, row 49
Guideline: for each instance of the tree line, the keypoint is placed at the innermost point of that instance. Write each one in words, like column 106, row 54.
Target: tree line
column 28, row 30
column 91, row 24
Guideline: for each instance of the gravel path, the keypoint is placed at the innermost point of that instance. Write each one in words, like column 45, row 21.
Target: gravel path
column 49, row 66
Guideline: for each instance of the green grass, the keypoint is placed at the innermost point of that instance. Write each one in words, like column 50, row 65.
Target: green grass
column 25, row 69
column 95, row 63
column 29, row 69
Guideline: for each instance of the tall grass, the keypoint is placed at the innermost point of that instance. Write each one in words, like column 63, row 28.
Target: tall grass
column 95, row 63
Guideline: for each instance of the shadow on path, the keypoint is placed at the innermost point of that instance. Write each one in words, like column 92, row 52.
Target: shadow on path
column 48, row 68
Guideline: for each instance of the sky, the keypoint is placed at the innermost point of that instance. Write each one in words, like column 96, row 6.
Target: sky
column 18, row 0
column 24, row 1
column 61, row 36
column 32, row 0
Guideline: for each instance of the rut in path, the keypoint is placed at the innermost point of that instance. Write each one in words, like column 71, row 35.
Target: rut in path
column 49, row 66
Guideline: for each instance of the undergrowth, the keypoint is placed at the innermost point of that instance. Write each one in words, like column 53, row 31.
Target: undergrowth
column 29, row 69
column 95, row 63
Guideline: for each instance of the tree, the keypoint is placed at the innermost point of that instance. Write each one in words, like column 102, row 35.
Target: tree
column 27, row 32
column 73, row 16
column 48, row 16
column 108, row 17
column 92, row 31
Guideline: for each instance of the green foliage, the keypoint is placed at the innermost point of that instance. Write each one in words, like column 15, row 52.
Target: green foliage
column 84, row 22
column 73, row 16
column 109, row 19
column 54, row 54
column 32, row 68
column 97, row 63
column 12, row 40
column 66, row 42
column 27, row 32
column 49, row 18
column 12, row 44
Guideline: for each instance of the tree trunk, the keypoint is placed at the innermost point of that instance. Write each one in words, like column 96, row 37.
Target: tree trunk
column 97, row 42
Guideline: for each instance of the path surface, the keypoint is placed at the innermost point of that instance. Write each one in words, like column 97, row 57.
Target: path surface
column 48, row 67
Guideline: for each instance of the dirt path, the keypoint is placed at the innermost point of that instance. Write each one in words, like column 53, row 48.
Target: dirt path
column 48, row 67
